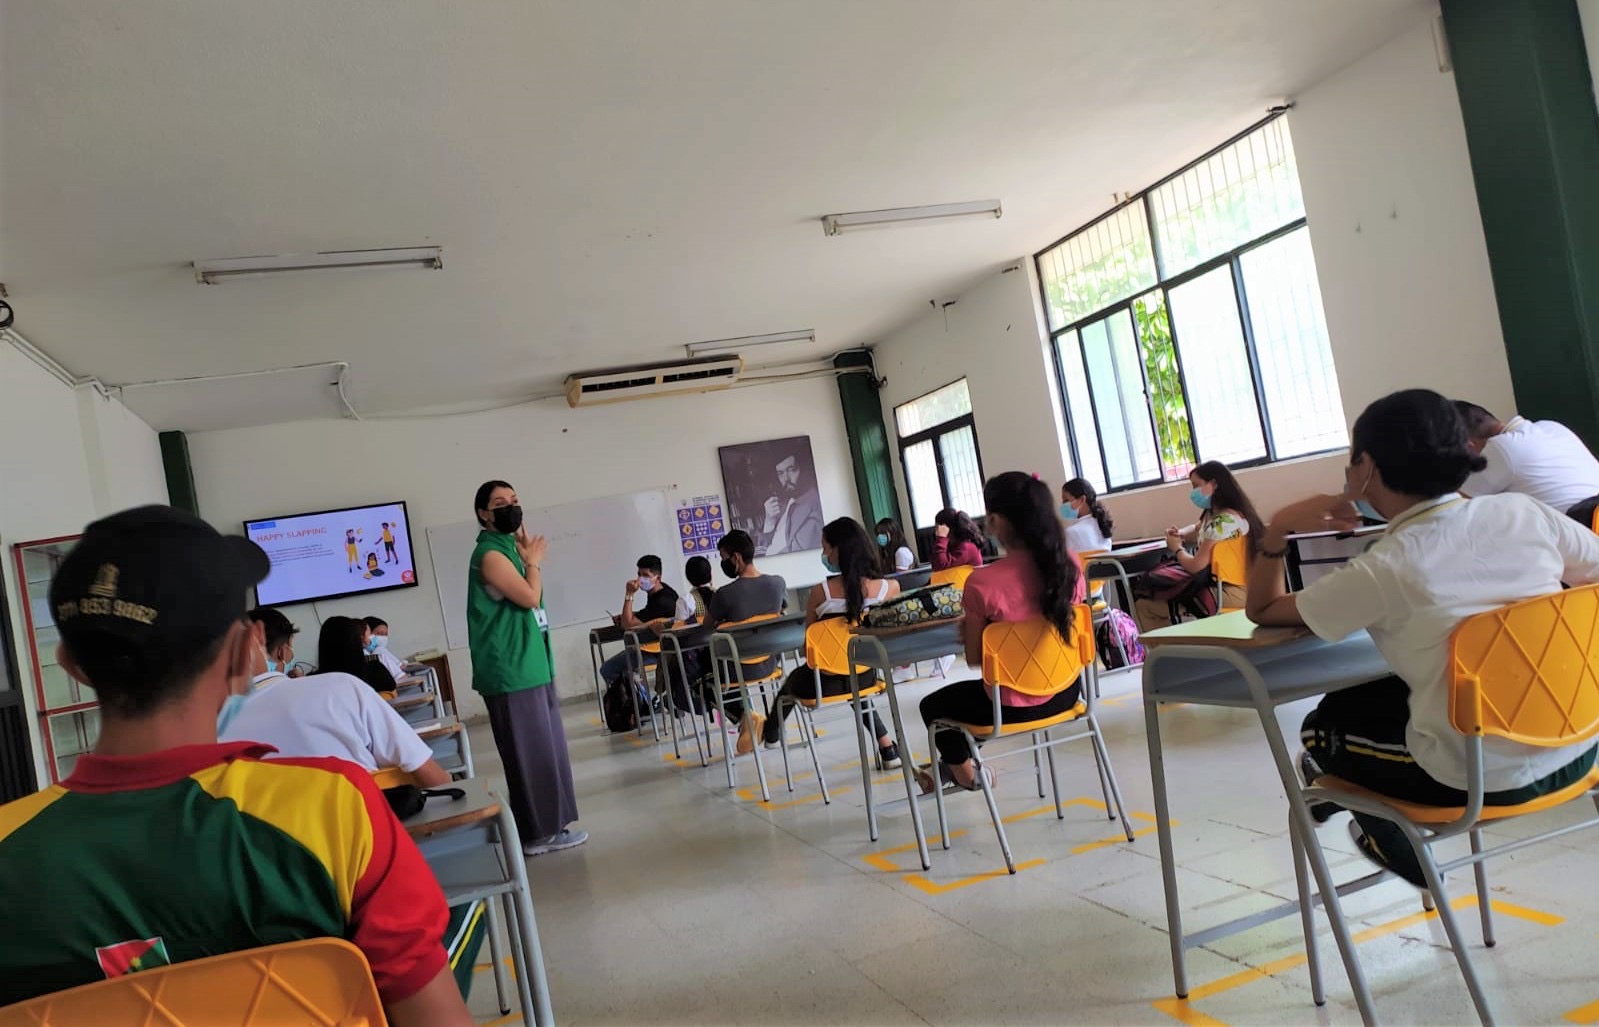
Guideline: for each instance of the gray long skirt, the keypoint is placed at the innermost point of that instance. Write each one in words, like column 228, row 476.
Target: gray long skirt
column 538, row 772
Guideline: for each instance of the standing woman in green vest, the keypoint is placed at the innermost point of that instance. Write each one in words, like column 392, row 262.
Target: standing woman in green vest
column 512, row 669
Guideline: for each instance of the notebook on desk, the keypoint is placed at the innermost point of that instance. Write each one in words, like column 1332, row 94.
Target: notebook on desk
column 1227, row 629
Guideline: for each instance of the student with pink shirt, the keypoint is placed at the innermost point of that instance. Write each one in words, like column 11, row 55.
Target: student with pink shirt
column 958, row 541
column 1039, row 577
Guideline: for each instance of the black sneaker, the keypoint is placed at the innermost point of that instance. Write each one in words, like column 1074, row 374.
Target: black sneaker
column 1309, row 770
column 1393, row 853
column 888, row 757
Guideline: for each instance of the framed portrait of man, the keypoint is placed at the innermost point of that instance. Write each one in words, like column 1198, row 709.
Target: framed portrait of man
column 771, row 493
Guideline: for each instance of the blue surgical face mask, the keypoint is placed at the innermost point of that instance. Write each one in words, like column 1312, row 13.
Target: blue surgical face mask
column 882, row 539
column 1199, row 499
column 1068, row 511
column 230, row 709
column 646, row 584
column 272, row 666
column 371, row 645
column 832, row 568
column 1369, row 511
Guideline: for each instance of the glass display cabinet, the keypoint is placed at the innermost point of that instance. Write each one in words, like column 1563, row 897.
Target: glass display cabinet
column 68, row 712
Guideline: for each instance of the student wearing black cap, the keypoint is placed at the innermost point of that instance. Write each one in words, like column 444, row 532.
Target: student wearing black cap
column 164, row 845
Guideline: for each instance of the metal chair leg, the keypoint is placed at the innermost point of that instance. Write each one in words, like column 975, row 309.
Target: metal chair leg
column 1484, row 903
column 755, row 750
column 1457, row 939
column 866, row 768
column 993, row 806
column 938, row 785
column 1102, row 755
column 816, row 761
column 490, row 914
column 1038, row 765
column 1307, row 918
column 1054, row 778
column 782, row 741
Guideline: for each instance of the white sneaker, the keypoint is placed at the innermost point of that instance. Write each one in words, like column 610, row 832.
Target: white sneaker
column 567, row 839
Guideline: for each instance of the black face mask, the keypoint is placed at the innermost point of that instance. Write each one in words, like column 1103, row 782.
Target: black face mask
column 730, row 568
column 507, row 519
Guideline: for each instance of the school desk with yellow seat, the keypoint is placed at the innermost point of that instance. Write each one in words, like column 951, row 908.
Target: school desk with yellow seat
column 1227, row 661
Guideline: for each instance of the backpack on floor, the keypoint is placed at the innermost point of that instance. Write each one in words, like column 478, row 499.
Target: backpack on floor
column 1118, row 626
column 618, row 707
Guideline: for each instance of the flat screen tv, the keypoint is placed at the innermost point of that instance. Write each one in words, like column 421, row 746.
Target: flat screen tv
column 333, row 553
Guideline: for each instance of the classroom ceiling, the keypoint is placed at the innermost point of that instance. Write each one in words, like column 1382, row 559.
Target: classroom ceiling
column 610, row 179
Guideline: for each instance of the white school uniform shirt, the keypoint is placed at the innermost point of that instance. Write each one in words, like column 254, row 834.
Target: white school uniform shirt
column 904, row 559
column 1083, row 535
column 391, row 663
column 1440, row 562
column 327, row 715
column 1541, row 459
column 836, row 606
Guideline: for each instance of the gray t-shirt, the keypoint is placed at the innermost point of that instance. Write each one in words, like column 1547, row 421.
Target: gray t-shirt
column 743, row 598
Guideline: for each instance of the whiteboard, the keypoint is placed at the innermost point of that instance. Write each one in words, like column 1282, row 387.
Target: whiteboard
column 594, row 548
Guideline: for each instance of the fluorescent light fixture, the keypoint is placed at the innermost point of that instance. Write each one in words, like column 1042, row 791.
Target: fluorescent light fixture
column 210, row 272
column 748, row 342
column 832, row 224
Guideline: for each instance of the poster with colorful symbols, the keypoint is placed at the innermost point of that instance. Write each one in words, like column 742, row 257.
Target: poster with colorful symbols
column 700, row 523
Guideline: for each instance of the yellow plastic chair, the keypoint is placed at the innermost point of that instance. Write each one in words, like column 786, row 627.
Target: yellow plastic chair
column 956, row 576
column 392, row 777
column 728, row 670
column 1229, row 565
column 320, row 981
column 1595, row 523
column 1528, row 672
column 827, row 652
column 1031, row 657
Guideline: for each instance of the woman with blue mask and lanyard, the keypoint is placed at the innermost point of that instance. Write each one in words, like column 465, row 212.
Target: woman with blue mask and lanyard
column 855, row 583
column 512, row 668
column 1224, row 513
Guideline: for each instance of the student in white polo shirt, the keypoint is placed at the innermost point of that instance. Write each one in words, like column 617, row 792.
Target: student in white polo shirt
column 1443, row 559
column 322, row 715
column 1542, row 459
column 377, row 645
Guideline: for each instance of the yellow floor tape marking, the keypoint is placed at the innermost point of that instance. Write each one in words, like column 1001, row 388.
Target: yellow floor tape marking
column 1585, row 1014
column 1182, row 1011
column 923, row 884
column 507, row 1018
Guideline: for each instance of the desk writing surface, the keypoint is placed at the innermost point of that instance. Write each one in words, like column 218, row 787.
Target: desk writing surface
column 1363, row 530
column 1234, row 630
column 440, row 814
column 1299, row 668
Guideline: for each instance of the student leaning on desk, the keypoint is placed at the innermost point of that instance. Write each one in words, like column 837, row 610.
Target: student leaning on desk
column 1541, row 459
column 1442, row 559
column 165, row 845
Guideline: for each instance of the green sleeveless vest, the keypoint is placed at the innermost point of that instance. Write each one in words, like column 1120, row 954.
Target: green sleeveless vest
column 510, row 651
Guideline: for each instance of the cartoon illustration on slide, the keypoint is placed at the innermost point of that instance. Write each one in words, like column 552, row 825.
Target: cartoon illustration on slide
column 350, row 554
column 372, row 568
column 389, row 555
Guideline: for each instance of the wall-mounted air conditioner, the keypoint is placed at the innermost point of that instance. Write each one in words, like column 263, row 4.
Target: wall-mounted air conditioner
column 621, row 384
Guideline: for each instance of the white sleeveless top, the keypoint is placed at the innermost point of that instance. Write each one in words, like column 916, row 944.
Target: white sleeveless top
column 833, row 606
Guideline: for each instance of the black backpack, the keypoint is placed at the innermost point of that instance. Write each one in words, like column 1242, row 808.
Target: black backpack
column 618, row 707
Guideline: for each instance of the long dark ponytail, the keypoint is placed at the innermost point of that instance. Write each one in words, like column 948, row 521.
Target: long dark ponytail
column 1229, row 495
column 1079, row 488
column 1025, row 504
column 857, row 561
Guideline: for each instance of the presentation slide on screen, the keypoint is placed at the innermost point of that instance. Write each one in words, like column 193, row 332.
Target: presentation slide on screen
column 315, row 556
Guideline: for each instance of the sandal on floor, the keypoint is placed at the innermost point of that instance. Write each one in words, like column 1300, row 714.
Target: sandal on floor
column 976, row 786
column 925, row 779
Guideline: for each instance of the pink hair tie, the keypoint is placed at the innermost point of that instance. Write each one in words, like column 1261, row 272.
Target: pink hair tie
column 1036, row 477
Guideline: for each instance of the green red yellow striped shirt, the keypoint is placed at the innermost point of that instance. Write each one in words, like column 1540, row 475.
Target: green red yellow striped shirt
column 138, row 861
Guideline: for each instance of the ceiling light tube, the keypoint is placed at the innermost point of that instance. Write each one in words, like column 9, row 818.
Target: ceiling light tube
column 748, row 342
column 832, row 224
column 211, row 272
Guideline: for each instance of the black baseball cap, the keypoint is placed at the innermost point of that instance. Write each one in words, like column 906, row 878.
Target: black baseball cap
column 159, row 580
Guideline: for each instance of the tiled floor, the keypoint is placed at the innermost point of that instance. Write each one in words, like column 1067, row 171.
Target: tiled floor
column 693, row 904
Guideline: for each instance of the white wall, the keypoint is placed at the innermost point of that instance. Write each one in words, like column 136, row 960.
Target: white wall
column 1396, row 231
column 67, row 456
column 552, row 454
column 1399, row 251
column 991, row 337
column 1588, row 11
